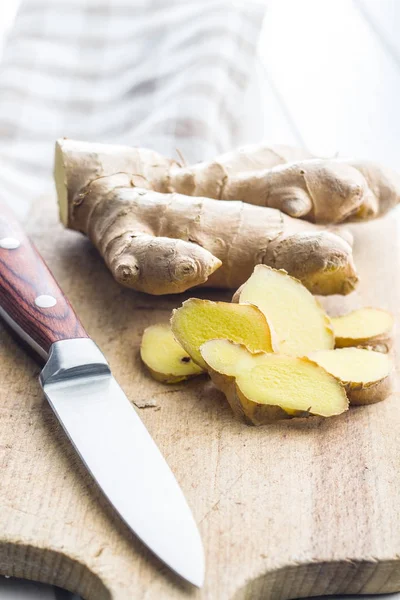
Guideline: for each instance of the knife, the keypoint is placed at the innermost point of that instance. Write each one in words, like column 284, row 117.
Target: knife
column 96, row 415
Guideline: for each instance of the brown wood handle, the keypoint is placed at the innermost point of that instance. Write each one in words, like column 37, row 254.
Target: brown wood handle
column 30, row 300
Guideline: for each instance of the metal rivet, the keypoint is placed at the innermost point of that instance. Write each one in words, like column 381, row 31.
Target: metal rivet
column 45, row 301
column 9, row 243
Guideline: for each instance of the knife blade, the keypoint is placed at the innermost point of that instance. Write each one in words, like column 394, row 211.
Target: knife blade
column 96, row 415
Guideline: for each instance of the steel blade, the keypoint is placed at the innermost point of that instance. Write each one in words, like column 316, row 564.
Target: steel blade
column 121, row 455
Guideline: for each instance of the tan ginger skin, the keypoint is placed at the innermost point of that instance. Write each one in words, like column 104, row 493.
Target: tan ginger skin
column 137, row 207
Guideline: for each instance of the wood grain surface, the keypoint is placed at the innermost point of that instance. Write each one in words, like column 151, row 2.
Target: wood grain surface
column 299, row 508
column 23, row 278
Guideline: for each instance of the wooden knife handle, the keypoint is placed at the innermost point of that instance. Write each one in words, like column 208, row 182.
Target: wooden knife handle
column 30, row 300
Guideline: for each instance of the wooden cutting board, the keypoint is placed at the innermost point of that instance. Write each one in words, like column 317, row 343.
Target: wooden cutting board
column 299, row 508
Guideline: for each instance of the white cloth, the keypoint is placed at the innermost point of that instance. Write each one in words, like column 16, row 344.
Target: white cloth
column 166, row 74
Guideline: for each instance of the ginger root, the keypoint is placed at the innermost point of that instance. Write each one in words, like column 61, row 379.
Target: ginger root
column 159, row 241
column 291, row 180
column 264, row 387
column 165, row 359
column 198, row 321
column 366, row 375
column 283, row 177
column 299, row 322
column 371, row 328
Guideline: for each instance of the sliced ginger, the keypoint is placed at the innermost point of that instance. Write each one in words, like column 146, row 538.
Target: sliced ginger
column 366, row 375
column 198, row 321
column 300, row 324
column 166, row 360
column 266, row 387
column 271, row 352
column 367, row 327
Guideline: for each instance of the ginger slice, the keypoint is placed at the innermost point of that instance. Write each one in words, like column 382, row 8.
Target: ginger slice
column 300, row 324
column 367, row 327
column 366, row 375
column 166, row 360
column 198, row 321
column 266, row 387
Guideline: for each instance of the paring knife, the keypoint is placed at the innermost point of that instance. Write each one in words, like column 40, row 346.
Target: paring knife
column 93, row 410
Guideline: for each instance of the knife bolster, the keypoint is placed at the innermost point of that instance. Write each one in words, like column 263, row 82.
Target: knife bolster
column 69, row 359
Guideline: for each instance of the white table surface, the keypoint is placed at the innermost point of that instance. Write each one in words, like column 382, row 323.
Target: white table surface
column 327, row 78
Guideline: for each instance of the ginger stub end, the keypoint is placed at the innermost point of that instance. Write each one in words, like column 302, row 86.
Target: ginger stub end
column 165, row 359
column 61, row 184
column 198, row 321
column 265, row 387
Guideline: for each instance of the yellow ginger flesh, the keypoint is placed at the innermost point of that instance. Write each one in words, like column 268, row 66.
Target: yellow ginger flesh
column 300, row 324
column 362, row 326
column 266, row 381
column 198, row 321
column 354, row 364
column 366, row 374
column 166, row 360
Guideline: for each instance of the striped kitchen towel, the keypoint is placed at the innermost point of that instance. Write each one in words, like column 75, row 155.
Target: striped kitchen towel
column 166, row 74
